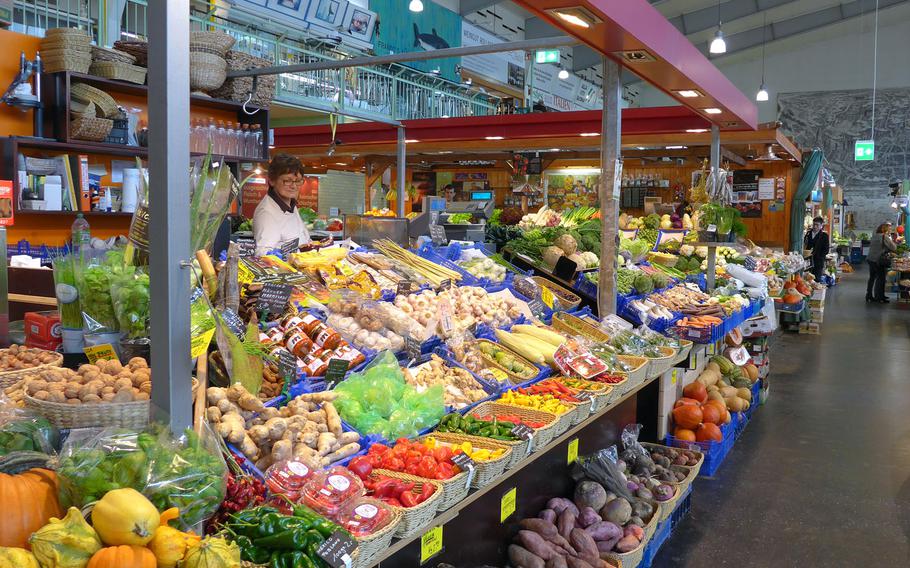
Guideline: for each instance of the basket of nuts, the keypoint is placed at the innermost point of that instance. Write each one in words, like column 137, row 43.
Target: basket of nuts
column 18, row 361
column 100, row 395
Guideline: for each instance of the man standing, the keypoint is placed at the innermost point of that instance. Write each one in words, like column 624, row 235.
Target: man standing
column 817, row 243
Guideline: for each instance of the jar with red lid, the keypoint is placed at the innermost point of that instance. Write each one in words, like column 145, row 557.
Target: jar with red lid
column 365, row 516
column 324, row 336
column 329, row 491
column 298, row 343
column 291, row 321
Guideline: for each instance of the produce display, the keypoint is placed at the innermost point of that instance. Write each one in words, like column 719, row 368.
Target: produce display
column 17, row 358
column 460, row 388
column 467, row 448
column 105, row 381
column 415, row 458
column 465, row 306
column 544, row 402
column 313, row 343
column 483, row 267
column 492, row 361
column 494, row 427
column 264, row 535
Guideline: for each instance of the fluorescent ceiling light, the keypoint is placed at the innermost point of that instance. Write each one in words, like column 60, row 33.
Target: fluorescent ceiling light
column 416, row 6
column 718, row 45
column 712, row 110
column 555, row 149
column 587, row 134
column 762, row 94
column 563, row 74
column 411, row 141
column 495, row 137
column 676, row 147
column 573, row 19
column 697, row 130
column 688, row 93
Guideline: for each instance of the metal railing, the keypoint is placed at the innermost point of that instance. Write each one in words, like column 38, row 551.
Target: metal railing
column 32, row 17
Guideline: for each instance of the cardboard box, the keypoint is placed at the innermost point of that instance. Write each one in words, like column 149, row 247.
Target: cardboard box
column 52, row 345
column 43, row 327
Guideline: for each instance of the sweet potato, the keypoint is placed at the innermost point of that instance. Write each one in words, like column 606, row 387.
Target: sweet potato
column 540, row 526
column 566, row 523
column 557, row 562
column 627, row 544
column 635, row 531
column 575, row 562
column 584, row 544
column 604, row 530
column 523, row 558
column 548, row 515
column 587, row 517
column 607, row 545
column 560, row 504
column 535, row 543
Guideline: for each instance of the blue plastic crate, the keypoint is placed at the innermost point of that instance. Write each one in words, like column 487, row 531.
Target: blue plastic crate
column 739, row 420
column 682, row 509
column 585, row 286
column 661, row 535
column 715, row 452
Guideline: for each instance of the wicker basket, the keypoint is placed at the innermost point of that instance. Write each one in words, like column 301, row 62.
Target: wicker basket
column 634, row 557
column 485, row 472
column 637, row 373
column 76, row 62
column 370, row 546
column 514, row 378
column 238, row 88
column 582, row 411
column 685, row 347
column 415, row 519
column 107, row 54
column 667, row 507
column 9, row 378
column 617, row 390
column 659, row 365
column 68, row 34
column 89, row 94
column 216, row 43
column 207, row 71
column 119, row 70
column 601, row 393
column 91, row 128
column 567, row 323
column 139, row 49
column 691, row 470
column 542, row 436
column 567, row 299
column 94, row 415
column 454, row 490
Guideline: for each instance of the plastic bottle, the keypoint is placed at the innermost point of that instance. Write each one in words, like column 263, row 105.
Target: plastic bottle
column 245, row 143
column 81, row 234
column 211, row 133
column 257, row 141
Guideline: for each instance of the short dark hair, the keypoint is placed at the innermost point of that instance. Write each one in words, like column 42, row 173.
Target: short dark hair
column 819, row 220
column 282, row 163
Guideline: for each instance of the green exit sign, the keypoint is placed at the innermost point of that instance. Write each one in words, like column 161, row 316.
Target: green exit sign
column 546, row 56
column 864, row 150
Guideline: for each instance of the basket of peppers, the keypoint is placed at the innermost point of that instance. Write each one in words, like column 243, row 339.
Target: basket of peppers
column 507, row 417
column 555, row 389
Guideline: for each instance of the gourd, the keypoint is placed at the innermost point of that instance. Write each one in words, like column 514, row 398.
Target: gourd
column 17, row 558
column 212, row 552
column 123, row 556
column 125, row 516
column 29, row 500
column 65, row 543
column 170, row 545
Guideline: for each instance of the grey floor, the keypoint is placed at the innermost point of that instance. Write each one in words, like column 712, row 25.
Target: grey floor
column 821, row 476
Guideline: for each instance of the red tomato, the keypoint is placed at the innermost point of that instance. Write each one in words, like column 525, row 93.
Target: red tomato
column 442, row 453
column 412, row 468
column 427, row 467
column 445, row 470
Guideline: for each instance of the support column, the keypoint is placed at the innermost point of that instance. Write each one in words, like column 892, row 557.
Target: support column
column 169, row 197
column 402, row 165
column 715, row 168
column 608, row 189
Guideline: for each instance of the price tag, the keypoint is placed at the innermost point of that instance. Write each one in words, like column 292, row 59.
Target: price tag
column 712, row 228
column 337, row 549
column 274, row 297
column 711, row 349
column 287, row 365
column 438, row 235
column 536, row 306
column 573, row 451
column 412, row 347
column 404, row 287
column 507, row 505
column 246, row 247
column 430, row 544
column 234, row 323
column 244, row 274
column 584, row 395
column 198, row 344
column 546, row 296
column 673, row 377
column 103, row 352
column 290, row 246
column 525, row 432
column 565, row 269
column 335, row 372
column 465, row 462
column 445, row 316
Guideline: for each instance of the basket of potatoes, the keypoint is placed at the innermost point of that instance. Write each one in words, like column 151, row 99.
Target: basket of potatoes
column 18, row 361
column 100, row 395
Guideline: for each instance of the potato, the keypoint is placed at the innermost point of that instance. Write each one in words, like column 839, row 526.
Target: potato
column 585, row 545
column 543, row 528
column 56, row 396
column 587, row 517
column 604, row 530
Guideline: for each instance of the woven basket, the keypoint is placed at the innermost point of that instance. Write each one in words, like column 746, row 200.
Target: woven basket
column 119, row 70
column 415, row 519
column 634, row 557
column 139, row 49
column 89, row 94
column 667, row 507
column 617, row 390
column 582, row 411
column 691, row 469
column 485, row 472
column 567, row 299
column 68, row 34
column 107, row 54
column 685, row 347
column 372, row 545
column 602, row 393
column 614, row 562
column 542, row 436
column 9, row 378
column 238, row 88
column 217, row 43
column 207, row 71
column 75, row 62
column 659, row 365
column 514, row 378
column 91, row 128
column 454, row 490
column 95, row 415
column 637, row 373
column 572, row 325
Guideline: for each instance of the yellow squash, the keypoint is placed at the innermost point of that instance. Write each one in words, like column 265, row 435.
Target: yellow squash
column 125, row 516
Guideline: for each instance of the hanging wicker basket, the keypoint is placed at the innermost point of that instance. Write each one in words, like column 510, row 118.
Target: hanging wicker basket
column 207, row 71
column 238, row 88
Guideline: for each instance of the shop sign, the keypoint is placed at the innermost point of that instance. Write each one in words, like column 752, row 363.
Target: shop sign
column 507, row 68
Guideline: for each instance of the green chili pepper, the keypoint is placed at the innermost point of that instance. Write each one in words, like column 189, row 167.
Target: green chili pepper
column 325, row 527
column 298, row 559
column 291, row 539
column 268, row 524
column 251, row 552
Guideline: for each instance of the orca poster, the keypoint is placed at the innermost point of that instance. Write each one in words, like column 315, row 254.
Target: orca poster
column 400, row 31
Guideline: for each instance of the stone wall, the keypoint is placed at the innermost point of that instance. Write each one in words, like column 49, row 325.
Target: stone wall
column 833, row 121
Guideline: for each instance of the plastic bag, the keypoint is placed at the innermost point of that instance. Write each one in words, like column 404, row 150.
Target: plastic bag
column 130, row 297
column 23, row 431
column 657, row 339
column 187, row 473
column 94, row 285
column 601, row 466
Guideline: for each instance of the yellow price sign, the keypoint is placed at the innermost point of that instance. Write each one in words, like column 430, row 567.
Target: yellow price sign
column 573, row 451
column 430, row 544
column 200, row 343
column 507, row 504
column 102, row 352
column 673, row 377
column 244, row 274
column 546, row 296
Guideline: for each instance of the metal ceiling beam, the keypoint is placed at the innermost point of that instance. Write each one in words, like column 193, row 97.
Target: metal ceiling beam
column 706, row 18
column 470, row 6
column 584, row 57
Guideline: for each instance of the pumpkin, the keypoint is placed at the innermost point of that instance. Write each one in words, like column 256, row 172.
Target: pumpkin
column 69, row 542
column 29, row 500
column 125, row 516
column 708, row 433
column 696, row 391
column 687, row 416
column 789, row 284
column 170, row 545
column 686, row 402
column 711, row 414
column 684, row 435
column 792, row 297
column 123, row 557
column 212, row 552
column 734, row 338
column 17, row 558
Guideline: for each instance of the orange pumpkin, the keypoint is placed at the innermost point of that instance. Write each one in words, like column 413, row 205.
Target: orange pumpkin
column 711, row 414
column 708, row 433
column 789, row 284
column 720, row 405
column 696, row 391
column 124, row 556
column 32, row 496
column 687, row 416
column 684, row 434
column 686, row 402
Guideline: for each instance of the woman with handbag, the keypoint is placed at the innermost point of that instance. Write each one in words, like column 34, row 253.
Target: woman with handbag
column 881, row 251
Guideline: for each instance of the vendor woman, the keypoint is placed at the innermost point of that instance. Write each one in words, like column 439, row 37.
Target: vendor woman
column 276, row 220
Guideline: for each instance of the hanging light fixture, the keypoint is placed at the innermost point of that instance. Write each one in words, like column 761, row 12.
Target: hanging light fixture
column 718, row 45
column 762, row 94
column 416, row 6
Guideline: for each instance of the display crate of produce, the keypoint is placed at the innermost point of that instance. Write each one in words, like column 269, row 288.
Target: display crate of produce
column 682, row 354
column 415, row 519
column 637, row 373
column 512, row 378
column 661, row 535
column 572, row 324
column 700, row 335
column 715, row 452
column 492, row 390
column 455, row 252
column 691, row 470
column 486, row 471
column 369, row 547
column 541, row 436
column 568, row 300
column 660, row 365
column 790, row 308
column 634, row 557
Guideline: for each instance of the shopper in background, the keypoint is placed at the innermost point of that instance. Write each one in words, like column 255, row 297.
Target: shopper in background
column 276, row 220
column 816, row 242
column 880, row 251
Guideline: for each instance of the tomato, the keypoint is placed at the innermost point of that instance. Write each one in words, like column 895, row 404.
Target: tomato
column 445, row 470
column 427, row 467
column 402, row 442
column 378, row 449
column 413, row 455
column 442, row 453
column 412, row 468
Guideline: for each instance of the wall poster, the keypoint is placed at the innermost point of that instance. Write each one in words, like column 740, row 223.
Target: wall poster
column 745, row 192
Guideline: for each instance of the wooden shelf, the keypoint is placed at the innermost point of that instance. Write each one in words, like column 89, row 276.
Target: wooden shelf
column 85, row 213
column 76, row 147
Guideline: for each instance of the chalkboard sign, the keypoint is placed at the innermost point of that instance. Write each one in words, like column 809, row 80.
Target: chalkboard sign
column 274, row 297
column 438, row 234
column 464, row 461
column 287, row 365
column 337, row 550
column 246, row 246
column 536, row 307
column 411, row 347
column 565, row 269
column 404, row 287
column 290, row 246
column 336, row 370
column 523, row 431
column 234, row 323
